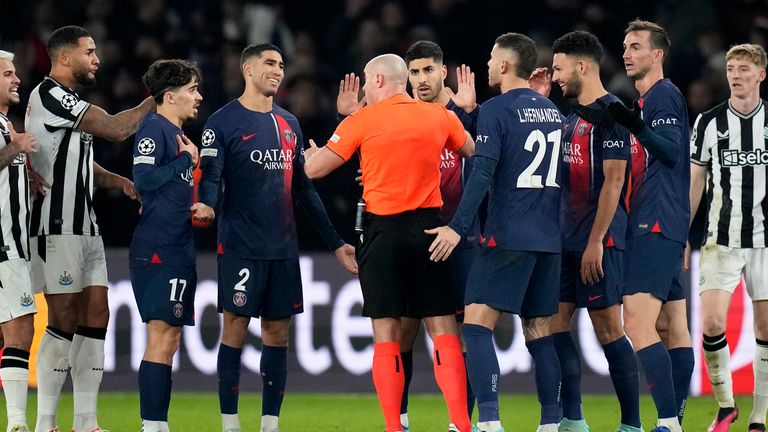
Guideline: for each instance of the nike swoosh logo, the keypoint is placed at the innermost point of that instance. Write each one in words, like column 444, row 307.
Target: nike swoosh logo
column 593, row 298
column 247, row 137
column 297, row 305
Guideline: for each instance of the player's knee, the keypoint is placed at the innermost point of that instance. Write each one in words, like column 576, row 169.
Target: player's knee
column 275, row 333
column 63, row 317
column 713, row 325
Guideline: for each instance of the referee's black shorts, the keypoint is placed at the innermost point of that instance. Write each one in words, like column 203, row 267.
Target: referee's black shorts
column 397, row 277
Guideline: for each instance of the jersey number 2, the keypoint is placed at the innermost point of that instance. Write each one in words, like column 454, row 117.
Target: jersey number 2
column 527, row 178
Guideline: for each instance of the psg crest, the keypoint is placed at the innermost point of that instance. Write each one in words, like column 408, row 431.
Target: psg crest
column 582, row 129
column 178, row 310
column 288, row 134
column 239, row 299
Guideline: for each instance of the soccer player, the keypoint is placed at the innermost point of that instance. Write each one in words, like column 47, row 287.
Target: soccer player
column 400, row 141
column 657, row 227
column 729, row 147
column 68, row 262
column 254, row 147
column 594, row 163
column 517, row 270
column 162, row 253
column 17, row 314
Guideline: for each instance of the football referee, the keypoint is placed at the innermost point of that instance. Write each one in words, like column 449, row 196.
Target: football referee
column 400, row 141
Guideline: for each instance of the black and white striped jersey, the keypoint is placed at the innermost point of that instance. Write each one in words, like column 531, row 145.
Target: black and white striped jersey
column 64, row 159
column 14, row 210
column 733, row 147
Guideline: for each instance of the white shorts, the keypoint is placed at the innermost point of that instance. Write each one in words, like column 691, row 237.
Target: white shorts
column 16, row 297
column 67, row 263
column 721, row 267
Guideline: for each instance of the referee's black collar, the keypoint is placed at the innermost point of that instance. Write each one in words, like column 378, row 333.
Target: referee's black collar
column 745, row 116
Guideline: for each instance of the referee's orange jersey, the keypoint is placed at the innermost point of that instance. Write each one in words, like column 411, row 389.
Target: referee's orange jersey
column 400, row 141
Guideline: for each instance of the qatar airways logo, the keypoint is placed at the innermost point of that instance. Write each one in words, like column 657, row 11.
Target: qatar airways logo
column 273, row 159
column 572, row 153
column 187, row 176
column 447, row 159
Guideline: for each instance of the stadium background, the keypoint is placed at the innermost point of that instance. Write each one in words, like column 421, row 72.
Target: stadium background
column 322, row 40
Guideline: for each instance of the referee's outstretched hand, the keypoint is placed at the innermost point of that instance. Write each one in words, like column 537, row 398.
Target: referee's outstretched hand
column 444, row 243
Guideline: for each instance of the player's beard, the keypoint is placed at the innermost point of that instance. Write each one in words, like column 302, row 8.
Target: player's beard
column 573, row 87
column 82, row 78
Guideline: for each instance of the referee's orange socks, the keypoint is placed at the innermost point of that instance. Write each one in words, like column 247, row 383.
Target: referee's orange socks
column 389, row 380
column 451, row 376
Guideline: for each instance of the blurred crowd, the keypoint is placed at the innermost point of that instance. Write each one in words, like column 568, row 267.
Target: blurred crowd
column 323, row 40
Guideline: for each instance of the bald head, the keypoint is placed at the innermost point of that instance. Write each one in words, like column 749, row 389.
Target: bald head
column 385, row 76
column 391, row 66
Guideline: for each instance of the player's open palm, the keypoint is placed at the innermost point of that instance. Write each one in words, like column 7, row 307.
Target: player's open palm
column 347, row 101
column 25, row 143
column 186, row 145
column 465, row 96
column 444, row 243
column 346, row 256
column 592, row 263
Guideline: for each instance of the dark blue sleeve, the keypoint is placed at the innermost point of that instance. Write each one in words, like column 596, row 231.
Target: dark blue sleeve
column 211, row 164
column 148, row 151
column 664, row 127
column 616, row 143
column 468, row 120
column 309, row 199
column 474, row 192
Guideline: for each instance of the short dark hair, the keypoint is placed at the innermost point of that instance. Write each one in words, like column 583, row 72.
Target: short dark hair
column 169, row 75
column 424, row 49
column 525, row 48
column 659, row 38
column 68, row 36
column 256, row 50
column 579, row 43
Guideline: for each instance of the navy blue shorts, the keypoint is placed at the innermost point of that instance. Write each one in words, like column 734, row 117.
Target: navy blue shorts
column 165, row 292
column 461, row 261
column 260, row 288
column 521, row 282
column 654, row 264
column 606, row 292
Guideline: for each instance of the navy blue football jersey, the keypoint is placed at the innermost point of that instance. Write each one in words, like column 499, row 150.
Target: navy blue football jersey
column 257, row 159
column 522, row 131
column 585, row 147
column 163, row 178
column 658, row 198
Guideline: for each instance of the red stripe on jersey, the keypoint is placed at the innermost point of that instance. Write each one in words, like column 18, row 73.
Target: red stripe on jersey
column 288, row 144
column 220, row 249
column 639, row 165
column 580, row 166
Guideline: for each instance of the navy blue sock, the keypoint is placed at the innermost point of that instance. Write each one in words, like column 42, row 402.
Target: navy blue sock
column 658, row 373
column 470, row 393
column 407, row 358
column 547, row 373
column 622, row 366
column 154, row 390
column 682, row 369
column 274, row 372
column 228, row 367
column 483, row 370
column 570, row 373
